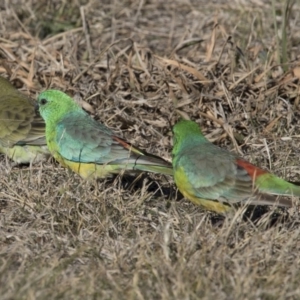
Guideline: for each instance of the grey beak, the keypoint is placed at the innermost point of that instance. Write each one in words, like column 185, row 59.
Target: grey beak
column 36, row 107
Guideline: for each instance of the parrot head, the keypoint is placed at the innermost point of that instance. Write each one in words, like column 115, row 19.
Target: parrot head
column 53, row 105
column 185, row 132
column 184, row 129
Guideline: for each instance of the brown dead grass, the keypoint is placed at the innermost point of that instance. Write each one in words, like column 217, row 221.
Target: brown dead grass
column 136, row 65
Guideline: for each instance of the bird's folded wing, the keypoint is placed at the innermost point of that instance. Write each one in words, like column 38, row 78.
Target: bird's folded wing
column 19, row 123
column 217, row 177
column 82, row 139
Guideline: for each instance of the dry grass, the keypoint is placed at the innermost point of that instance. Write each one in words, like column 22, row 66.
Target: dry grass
column 137, row 64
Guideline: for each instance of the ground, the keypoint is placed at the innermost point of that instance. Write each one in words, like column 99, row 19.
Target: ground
column 233, row 67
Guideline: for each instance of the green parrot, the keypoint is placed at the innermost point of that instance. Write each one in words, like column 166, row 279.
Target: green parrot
column 88, row 147
column 22, row 132
column 215, row 178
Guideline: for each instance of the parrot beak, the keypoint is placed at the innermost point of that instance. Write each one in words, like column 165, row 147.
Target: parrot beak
column 36, row 107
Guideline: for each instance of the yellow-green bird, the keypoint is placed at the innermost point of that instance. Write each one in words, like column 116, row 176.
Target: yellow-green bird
column 88, row 147
column 22, row 132
column 215, row 178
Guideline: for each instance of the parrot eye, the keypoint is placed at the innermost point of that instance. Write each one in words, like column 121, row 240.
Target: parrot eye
column 43, row 101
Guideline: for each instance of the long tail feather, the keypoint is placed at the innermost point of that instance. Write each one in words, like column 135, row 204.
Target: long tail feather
column 272, row 200
column 143, row 161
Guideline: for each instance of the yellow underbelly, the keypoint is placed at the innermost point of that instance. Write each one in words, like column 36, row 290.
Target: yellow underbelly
column 187, row 190
column 26, row 154
column 87, row 170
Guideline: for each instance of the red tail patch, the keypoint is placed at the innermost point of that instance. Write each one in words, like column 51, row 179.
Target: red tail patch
column 127, row 146
column 252, row 170
column 122, row 142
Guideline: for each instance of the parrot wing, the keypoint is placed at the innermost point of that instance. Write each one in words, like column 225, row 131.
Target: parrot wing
column 84, row 140
column 19, row 123
column 214, row 174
